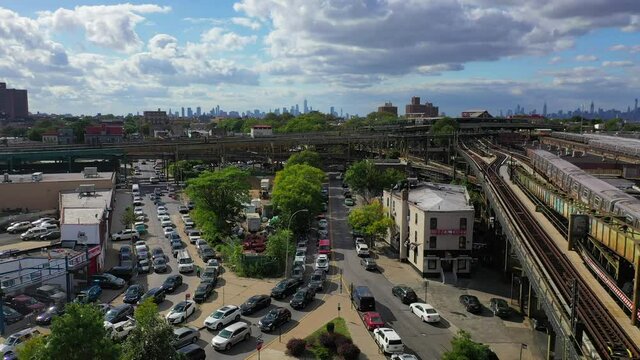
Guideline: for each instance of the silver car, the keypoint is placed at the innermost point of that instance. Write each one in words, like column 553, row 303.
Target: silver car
column 231, row 335
column 184, row 336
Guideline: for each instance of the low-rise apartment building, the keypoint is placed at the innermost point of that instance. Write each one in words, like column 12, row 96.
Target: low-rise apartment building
column 433, row 228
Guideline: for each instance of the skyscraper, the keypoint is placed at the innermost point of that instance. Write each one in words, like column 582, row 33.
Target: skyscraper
column 198, row 111
column 544, row 109
column 306, row 108
column 189, row 112
column 331, row 111
column 183, row 111
column 591, row 108
column 635, row 108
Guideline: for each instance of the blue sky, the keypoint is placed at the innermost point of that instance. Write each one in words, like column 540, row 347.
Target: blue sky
column 85, row 57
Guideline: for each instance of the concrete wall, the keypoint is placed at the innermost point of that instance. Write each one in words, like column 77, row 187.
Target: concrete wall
column 70, row 232
column 43, row 195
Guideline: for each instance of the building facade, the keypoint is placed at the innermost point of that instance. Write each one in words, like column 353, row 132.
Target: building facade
column 477, row 114
column 14, row 103
column 261, row 131
column 50, row 137
column 158, row 120
column 103, row 134
column 417, row 110
column 433, row 228
column 388, row 108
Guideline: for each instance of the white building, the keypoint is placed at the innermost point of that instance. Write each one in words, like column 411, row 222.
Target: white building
column 433, row 227
column 261, row 131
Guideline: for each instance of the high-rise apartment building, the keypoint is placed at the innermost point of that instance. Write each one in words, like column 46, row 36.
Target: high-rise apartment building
column 183, row 111
column 14, row 103
column 305, row 107
column 189, row 112
column 388, row 108
column 415, row 109
column 198, row 111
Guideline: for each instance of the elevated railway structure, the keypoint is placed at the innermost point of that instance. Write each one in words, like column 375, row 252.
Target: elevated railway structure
column 611, row 147
column 572, row 306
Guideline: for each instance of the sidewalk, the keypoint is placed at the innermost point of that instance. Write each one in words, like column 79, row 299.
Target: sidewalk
column 315, row 319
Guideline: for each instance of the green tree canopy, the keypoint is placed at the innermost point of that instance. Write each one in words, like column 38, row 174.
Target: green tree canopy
column 79, row 334
column 277, row 246
column 463, row 348
column 151, row 339
column 368, row 181
column 370, row 220
column 128, row 217
column 311, row 122
column 295, row 188
column 306, row 156
column 218, row 196
column 183, row 169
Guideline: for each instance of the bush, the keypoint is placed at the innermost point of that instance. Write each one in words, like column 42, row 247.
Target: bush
column 330, row 327
column 296, row 347
column 349, row 351
column 321, row 353
column 339, row 340
column 332, row 341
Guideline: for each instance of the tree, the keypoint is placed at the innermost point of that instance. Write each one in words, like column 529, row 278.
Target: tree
column 34, row 349
column 370, row 220
column 444, row 126
column 306, row 156
column 35, row 134
column 78, row 127
column 277, row 246
column 183, row 169
column 79, row 334
column 146, row 129
column 368, row 181
column 463, row 348
column 612, row 125
column 219, row 196
column 151, row 339
column 295, row 188
column 128, row 218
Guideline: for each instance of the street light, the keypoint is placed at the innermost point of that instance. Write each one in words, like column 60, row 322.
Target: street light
column 286, row 264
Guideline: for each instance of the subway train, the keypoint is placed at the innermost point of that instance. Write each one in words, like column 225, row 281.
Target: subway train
column 624, row 145
column 581, row 186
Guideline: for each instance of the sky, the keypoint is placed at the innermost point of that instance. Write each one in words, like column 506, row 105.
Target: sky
column 88, row 57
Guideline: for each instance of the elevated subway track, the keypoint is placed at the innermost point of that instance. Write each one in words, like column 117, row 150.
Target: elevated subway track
column 602, row 328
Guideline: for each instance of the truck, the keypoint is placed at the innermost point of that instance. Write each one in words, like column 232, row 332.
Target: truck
column 253, row 222
column 265, row 185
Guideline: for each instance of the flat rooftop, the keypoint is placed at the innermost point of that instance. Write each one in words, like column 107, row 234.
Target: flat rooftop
column 77, row 208
column 59, row 177
column 440, row 197
column 82, row 215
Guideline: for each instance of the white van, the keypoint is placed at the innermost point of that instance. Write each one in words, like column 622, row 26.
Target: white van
column 35, row 232
column 185, row 262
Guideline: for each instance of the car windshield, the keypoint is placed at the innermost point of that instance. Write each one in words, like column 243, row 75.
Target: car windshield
column 430, row 311
column 501, row 303
column 472, row 300
column 281, row 285
column 271, row 315
column 132, row 290
column 111, row 314
column 218, row 315
column 298, row 296
column 186, row 261
column 322, row 261
column 180, row 307
column 12, row 340
column 376, row 319
column 324, row 247
column 316, row 277
column 209, row 274
column 159, row 261
column 225, row 334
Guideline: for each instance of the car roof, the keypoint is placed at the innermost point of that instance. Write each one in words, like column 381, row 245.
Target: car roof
column 236, row 326
column 228, row 307
column 183, row 329
column 389, row 333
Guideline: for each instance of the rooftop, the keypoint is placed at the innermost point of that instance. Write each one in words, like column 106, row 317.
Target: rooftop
column 56, row 177
column 82, row 215
column 440, row 197
column 73, row 200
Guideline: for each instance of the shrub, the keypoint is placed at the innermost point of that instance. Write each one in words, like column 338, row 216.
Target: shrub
column 321, row 353
column 296, row 347
column 332, row 341
column 339, row 340
column 349, row 351
column 330, row 327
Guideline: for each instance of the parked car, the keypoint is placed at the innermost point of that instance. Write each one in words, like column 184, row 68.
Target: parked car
column 120, row 330
column 11, row 315
column 255, row 303
column 192, row 352
column 125, row 273
column 274, row 319
column 42, row 221
column 297, row 272
column 349, row 201
column 322, row 262
column 51, row 235
column 119, row 313
column 231, row 335
column 425, row 312
column 156, row 293
column 107, row 281
column 133, row 294
column 19, row 227
column 16, row 340
column 181, row 311
column 194, row 235
column 214, row 264
column 372, row 320
column 89, row 295
column 182, row 209
column 171, row 283
column 209, row 273
column 222, row 317
column 144, row 266
column 301, row 255
column 203, row 291
column 404, row 293
column 499, row 307
column 206, row 253
column 25, row 304
column 403, row 356
column 369, row 264
column 184, row 336
column 127, row 234
column 471, row 303
column 45, row 317
column 318, row 278
column 388, row 340
column 199, row 243
column 191, row 205
column 157, row 252
column 285, row 288
column 160, row 265
column 176, row 246
column 49, row 293
column 302, row 298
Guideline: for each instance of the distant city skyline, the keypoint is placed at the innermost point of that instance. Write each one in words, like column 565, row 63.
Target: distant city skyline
column 107, row 56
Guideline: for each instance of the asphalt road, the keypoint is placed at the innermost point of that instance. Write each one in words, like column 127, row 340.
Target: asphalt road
column 428, row 341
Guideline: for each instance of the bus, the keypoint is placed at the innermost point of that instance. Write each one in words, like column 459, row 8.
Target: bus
column 135, row 189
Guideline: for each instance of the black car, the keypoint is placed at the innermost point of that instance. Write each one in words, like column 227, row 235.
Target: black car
column 157, row 252
column 499, row 307
column 471, row 303
column 203, row 291
column 125, row 273
column 255, row 303
column 11, row 315
column 176, row 246
column 51, row 235
column 317, row 280
column 285, row 288
column 157, row 294
column 45, row 317
column 133, row 294
column 107, row 281
column 405, row 294
column 119, row 313
column 369, row 264
column 302, row 298
column 172, row 283
column 209, row 273
column 192, row 352
column 274, row 319
column 206, row 253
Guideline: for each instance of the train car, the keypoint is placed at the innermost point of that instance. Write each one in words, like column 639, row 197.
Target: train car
column 570, row 136
column 630, row 210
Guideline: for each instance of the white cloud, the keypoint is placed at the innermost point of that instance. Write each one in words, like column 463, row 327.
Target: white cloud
column 109, row 26
column 586, row 58
column 624, row 63
column 218, row 39
column 555, row 60
column 246, row 22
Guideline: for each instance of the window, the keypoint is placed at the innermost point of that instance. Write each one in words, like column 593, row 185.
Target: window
column 433, row 242
column 415, row 255
column 462, row 242
column 416, row 219
column 462, row 264
column 463, row 223
column 432, row 264
column 415, row 236
column 433, row 223
column 387, row 202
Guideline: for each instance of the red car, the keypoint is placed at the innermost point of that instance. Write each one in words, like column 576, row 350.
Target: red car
column 372, row 320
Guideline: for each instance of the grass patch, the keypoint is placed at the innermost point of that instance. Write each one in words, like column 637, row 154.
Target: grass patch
column 340, row 328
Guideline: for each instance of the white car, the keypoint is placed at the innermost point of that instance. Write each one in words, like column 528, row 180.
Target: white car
column 17, row 340
column 41, row 221
column 213, row 263
column 403, row 356
column 120, row 330
column 167, row 224
column 142, row 248
column 388, row 340
column 222, row 317
column 322, row 262
column 323, row 223
column 162, row 213
column 301, row 256
column 231, row 335
column 138, row 212
column 19, row 227
column 362, row 250
column 200, row 242
column 194, row 235
column 425, row 312
column 181, row 311
column 359, row 240
column 162, row 208
column 128, row 234
column 164, row 218
column 168, row 231
column 142, row 217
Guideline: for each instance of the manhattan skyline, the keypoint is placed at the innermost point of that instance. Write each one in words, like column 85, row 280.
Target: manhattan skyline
column 85, row 57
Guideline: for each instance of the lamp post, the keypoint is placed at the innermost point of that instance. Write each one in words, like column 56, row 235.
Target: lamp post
column 286, row 264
